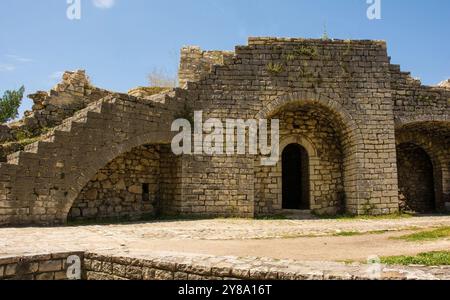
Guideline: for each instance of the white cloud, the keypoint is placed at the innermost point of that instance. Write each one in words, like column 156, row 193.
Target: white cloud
column 7, row 68
column 104, row 4
column 19, row 58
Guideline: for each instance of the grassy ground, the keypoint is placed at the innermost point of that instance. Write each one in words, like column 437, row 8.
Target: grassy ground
column 355, row 233
column 431, row 235
column 440, row 258
column 353, row 218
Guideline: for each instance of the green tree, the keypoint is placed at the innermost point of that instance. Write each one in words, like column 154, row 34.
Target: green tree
column 9, row 105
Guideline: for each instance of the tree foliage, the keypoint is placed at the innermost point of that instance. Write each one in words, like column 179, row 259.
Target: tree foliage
column 10, row 103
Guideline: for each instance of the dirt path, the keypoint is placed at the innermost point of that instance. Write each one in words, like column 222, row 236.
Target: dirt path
column 330, row 248
column 280, row 239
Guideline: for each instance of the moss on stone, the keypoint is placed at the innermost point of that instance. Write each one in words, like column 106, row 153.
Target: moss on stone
column 275, row 68
column 306, row 51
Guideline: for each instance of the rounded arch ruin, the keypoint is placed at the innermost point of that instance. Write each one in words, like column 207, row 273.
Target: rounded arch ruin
column 349, row 137
column 433, row 138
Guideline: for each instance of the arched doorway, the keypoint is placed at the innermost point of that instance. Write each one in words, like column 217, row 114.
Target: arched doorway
column 416, row 177
column 332, row 139
column 295, row 165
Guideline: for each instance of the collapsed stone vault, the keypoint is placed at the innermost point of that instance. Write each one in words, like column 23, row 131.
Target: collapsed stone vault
column 373, row 140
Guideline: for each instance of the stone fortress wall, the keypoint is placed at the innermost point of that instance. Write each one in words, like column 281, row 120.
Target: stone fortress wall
column 352, row 111
column 49, row 109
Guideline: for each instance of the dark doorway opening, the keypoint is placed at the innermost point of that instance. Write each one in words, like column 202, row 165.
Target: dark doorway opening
column 295, row 164
column 145, row 192
column 416, row 178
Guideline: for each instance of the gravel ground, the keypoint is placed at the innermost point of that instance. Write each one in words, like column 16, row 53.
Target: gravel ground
column 280, row 239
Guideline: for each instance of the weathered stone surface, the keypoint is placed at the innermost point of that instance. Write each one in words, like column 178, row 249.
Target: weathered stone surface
column 45, row 276
column 163, row 275
column 258, row 269
column 5, row 133
column 50, row 266
column 342, row 101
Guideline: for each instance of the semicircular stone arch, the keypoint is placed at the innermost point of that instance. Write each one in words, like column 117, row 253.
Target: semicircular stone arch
column 420, row 134
column 108, row 154
column 121, row 124
column 403, row 121
column 352, row 139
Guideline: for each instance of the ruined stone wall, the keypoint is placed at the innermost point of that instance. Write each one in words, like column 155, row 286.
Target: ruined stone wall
column 75, row 92
column 351, row 83
column 422, row 118
column 349, row 78
column 39, row 186
column 118, row 189
column 414, row 102
column 195, row 63
column 50, row 109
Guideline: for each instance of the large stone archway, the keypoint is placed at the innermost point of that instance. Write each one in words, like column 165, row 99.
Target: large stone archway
column 336, row 166
column 433, row 139
column 132, row 186
column 416, row 176
column 60, row 166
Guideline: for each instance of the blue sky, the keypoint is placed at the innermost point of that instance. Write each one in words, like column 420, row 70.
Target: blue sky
column 121, row 41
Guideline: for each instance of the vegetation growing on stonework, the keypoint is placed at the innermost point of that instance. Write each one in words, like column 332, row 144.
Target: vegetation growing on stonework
column 9, row 104
column 23, row 134
column 306, row 51
column 290, row 57
column 275, row 68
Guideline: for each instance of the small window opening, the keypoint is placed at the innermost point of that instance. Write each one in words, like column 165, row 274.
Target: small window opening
column 145, row 192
